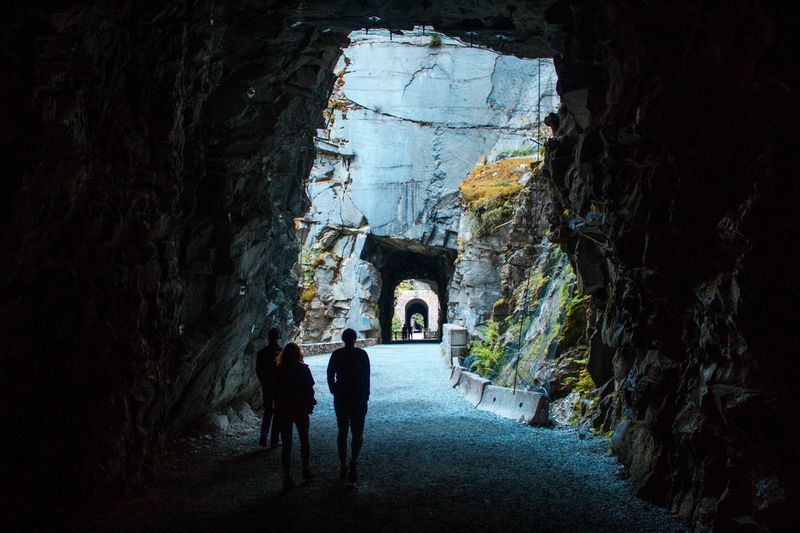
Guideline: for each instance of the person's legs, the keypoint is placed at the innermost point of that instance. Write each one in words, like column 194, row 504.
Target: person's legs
column 358, row 413
column 267, row 419
column 343, row 422
column 285, row 424
column 276, row 433
column 357, row 421
column 303, row 424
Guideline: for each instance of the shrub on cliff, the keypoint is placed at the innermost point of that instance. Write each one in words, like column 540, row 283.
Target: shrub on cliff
column 490, row 190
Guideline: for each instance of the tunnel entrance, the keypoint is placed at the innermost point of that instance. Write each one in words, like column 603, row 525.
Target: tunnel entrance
column 416, row 310
column 417, row 315
column 430, row 268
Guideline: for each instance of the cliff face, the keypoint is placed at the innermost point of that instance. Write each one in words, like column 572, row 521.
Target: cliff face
column 157, row 156
column 407, row 120
column 673, row 191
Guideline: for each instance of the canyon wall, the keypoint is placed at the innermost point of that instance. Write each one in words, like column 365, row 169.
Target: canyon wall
column 157, row 156
column 408, row 119
column 673, row 178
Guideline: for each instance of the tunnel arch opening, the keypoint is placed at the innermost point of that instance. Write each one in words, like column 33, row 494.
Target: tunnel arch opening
column 416, row 314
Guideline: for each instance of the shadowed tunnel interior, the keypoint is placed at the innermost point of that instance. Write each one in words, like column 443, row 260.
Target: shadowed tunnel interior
column 397, row 261
column 154, row 165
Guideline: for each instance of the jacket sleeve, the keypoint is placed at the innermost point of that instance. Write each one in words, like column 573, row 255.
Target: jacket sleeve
column 365, row 375
column 332, row 374
column 311, row 401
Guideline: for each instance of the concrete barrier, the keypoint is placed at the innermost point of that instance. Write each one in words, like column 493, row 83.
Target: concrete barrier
column 531, row 408
column 471, row 386
column 455, row 375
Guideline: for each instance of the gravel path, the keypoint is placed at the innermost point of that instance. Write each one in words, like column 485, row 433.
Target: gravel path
column 431, row 462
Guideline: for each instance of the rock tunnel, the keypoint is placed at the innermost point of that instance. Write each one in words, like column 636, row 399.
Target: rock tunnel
column 155, row 159
column 398, row 261
column 416, row 307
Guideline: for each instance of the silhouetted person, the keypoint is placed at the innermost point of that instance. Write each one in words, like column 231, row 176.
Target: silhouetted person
column 294, row 401
column 348, row 381
column 265, row 370
column 405, row 332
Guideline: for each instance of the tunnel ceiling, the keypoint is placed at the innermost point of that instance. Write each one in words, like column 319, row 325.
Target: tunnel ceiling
column 511, row 27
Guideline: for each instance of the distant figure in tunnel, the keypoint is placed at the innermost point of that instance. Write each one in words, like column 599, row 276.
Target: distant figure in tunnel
column 405, row 332
column 265, row 370
column 348, row 381
column 294, row 401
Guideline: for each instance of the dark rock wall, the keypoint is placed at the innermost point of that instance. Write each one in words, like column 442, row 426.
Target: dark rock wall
column 154, row 159
column 675, row 171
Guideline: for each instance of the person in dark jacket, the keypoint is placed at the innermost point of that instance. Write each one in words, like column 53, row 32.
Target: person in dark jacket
column 348, row 381
column 294, row 401
column 265, row 370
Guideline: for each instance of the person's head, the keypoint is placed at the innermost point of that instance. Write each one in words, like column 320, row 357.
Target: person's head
column 291, row 352
column 273, row 335
column 349, row 337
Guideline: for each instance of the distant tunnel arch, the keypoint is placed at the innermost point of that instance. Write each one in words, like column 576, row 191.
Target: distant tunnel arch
column 413, row 307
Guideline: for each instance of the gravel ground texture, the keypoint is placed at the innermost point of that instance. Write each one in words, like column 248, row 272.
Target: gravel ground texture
column 431, row 462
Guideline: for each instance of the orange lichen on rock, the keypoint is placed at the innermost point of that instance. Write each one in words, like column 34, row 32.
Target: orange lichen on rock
column 491, row 184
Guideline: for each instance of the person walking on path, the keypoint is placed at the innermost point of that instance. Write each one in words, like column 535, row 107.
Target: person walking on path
column 348, row 381
column 265, row 370
column 294, row 401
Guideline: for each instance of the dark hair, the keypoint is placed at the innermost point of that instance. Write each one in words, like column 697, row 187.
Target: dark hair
column 349, row 336
column 274, row 334
column 291, row 352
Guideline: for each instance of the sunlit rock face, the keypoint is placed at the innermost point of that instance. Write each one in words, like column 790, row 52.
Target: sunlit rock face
column 679, row 222
column 408, row 119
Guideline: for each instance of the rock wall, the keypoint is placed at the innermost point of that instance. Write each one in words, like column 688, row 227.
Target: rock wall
column 158, row 155
column 406, row 122
column 518, row 296
column 673, row 174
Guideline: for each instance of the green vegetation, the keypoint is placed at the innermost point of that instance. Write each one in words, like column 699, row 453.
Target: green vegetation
column 485, row 354
column 573, row 331
column 309, row 259
column 436, row 41
column 397, row 324
column 404, row 286
column 490, row 192
column 519, row 152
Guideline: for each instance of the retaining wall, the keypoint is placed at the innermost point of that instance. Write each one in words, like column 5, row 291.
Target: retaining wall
column 318, row 348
